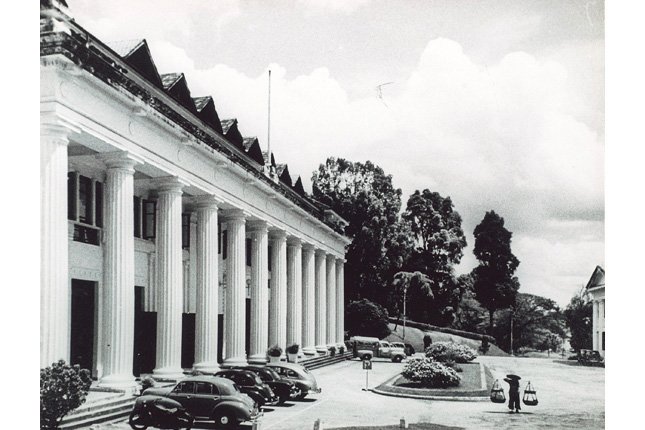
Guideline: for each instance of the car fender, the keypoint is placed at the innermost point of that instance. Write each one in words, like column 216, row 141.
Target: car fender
column 362, row 352
column 227, row 405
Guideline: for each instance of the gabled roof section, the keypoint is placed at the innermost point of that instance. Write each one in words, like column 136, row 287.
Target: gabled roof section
column 298, row 188
column 175, row 85
column 252, row 148
column 283, row 173
column 206, row 112
column 137, row 54
column 597, row 279
column 265, row 155
column 231, row 132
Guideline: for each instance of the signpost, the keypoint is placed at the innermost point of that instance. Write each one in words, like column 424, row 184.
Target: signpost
column 367, row 366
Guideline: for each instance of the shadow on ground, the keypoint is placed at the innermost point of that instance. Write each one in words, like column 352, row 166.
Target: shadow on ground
column 416, row 426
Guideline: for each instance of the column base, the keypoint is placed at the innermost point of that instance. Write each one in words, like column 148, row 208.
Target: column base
column 168, row 373
column 235, row 362
column 258, row 359
column 209, row 367
column 321, row 349
column 125, row 382
column 309, row 350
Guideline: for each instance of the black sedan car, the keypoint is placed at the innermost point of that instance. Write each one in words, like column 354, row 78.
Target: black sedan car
column 210, row 398
column 283, row 388
column 251, row 385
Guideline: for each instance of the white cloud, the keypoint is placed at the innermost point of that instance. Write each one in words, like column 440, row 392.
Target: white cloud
column 344, row 6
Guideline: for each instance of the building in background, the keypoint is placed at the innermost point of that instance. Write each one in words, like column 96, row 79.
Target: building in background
column 596, row 289
column 168, row 240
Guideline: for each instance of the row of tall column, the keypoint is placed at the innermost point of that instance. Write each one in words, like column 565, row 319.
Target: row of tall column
column 305, row 307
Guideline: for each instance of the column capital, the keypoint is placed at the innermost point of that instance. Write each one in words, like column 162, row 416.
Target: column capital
column 57, row 129
column 294, row 241
column 120, row 160
column 257, row 225
column 276, row 233
column 169, row 184
column 205, row 201
column 320, row 253
column 306, row 246
column 234, row 215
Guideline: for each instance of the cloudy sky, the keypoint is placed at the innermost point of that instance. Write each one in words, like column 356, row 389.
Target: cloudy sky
column 497, row 104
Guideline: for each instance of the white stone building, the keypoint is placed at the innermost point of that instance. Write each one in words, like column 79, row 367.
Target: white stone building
column 596, row 289
column 168, row 241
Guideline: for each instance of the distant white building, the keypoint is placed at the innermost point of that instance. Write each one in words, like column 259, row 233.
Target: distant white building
column 168, row 240
column 596, row 289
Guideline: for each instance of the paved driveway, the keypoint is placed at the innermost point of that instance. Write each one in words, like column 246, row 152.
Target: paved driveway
column 571, row 397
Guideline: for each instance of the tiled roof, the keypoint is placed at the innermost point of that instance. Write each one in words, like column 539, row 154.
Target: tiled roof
column 248, row 142
column 227, row 124
column 125, row 47
column 169, row 79
column 200, row 102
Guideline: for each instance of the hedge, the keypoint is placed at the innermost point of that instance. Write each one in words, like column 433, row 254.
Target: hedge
column 425, row 327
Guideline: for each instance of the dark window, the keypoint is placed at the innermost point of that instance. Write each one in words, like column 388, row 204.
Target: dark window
column 71, row 196
column 224, row 244
column 204, row 388
column 248, row 252
column 219, row 237
column 185, row 387
column 98, row 204
column 149, row 219
column 137, row 216
column 85, row 199
column 270, row 258
column 603, row 340
column 185, row 231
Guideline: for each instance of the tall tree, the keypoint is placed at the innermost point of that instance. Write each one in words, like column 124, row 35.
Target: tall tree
column 411, row 293
column 364, row 196
column 440, row 241
column 578, row 315
column 494, row 286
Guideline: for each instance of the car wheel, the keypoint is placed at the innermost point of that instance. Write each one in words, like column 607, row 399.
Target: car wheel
column 225, row 420
column 302, row 395
column 397, row 359
column 366, row 357
column 136, row 421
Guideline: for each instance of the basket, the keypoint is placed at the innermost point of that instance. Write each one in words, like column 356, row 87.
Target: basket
column 530, row 396
column 497, row 394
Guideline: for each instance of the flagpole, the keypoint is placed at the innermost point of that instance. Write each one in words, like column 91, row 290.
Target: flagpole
column 269, row 122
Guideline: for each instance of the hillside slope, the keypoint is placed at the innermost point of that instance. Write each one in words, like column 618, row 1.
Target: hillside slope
column 414, row 336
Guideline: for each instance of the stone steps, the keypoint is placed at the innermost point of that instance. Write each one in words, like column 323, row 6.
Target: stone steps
column 104, row 410
column 325, row 360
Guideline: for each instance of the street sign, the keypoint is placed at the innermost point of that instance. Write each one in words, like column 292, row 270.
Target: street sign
column 367, row 365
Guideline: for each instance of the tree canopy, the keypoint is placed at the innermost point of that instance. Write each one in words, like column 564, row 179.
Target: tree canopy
column 578, row 315
column 364, row 196
column 494, row 286
column 364, row 318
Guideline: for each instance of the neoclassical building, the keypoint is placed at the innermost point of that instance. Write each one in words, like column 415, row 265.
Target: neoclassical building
column 168, row 240
column 596, row 289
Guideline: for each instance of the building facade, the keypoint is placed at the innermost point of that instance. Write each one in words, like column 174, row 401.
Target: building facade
column 596, row 289
column 168, row 240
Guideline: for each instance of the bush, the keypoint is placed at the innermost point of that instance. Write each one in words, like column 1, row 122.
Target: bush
column 447, row 351
column 293, row 349
column 274, row 351
column 364, row 318
column 341, row 349
column 63, row 388
column 332, row 350
column 427, row 341
column 430, row 373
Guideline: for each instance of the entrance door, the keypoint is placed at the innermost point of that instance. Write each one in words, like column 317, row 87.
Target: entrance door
column 82, row 330
column 187, row 340
column 145, row 336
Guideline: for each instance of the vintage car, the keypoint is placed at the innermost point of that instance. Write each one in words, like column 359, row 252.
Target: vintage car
column 587, row 357
column 250, row 384
column 210, row 398
column 367, row 348
column 297, row 373
column 409, row 349
column 282, row 387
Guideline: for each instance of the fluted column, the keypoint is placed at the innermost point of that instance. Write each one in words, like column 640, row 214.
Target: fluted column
column 259, row 318
column 235, row 310
column 278, row 303
column 594, row 324
column 308, row 300
column 331, row 300
column 340, row 301
column 169, row 278
column 321, row 302
column 117, row 291
column 207, row 299
column 294, row 291
column 54, row 282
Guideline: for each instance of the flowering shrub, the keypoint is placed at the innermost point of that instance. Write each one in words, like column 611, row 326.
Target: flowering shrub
column 451, row 352
column 430, row 373
column 63, row 388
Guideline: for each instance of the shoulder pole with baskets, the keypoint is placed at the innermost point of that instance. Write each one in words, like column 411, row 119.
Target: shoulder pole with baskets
column 497, row 393
column 530, row 395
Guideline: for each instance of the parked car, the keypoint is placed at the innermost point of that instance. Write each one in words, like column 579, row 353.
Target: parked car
column 250, row 383
column 282, row 387
column 303, row 378
column 588, row 357
column 367, row 348
column 407, row 348
column 210, row 398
